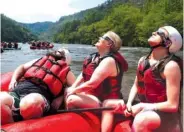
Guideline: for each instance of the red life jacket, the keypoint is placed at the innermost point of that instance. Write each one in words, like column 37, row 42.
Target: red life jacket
column 150, row 82
column 51, row 71
column 142, row 67
column 110, row 87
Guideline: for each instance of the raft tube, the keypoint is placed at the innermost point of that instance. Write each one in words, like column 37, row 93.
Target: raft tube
column 5, row 81
column 65, row 122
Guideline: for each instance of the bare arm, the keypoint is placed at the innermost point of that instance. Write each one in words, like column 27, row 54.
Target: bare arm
column 78, row 81
column 133, row 92
column 106, row 68
column 21, row 69
column 132, row 95
column 70, row 78
column 19, row 72
column 172, row 75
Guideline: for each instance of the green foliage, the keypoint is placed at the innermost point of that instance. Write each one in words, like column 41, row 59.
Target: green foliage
column 133, row 22
column 92, row 17
column 11, row 31
column 160, row 13
column 123, row 21
column 176, row 20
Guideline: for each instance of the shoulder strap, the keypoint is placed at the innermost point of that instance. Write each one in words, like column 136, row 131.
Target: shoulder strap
column 165, row 60
column 107, row 55
column 146, row 63
column 118, row 65
column 89, row 58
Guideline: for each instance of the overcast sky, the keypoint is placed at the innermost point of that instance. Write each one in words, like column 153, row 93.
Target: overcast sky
column 30, row 11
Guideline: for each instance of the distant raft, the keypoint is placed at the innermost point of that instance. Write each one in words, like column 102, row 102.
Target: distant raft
column 50, row 46
column 12, row 48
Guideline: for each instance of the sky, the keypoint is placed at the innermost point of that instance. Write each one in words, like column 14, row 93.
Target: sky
column 30, row 11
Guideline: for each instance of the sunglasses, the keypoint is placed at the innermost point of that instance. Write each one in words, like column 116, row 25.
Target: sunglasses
column 108, row 39
column 162, row 34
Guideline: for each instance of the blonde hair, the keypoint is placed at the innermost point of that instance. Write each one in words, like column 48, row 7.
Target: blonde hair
column 116, row 40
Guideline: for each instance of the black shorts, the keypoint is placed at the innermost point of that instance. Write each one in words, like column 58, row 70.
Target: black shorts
column 24, row 88
column 170, row 122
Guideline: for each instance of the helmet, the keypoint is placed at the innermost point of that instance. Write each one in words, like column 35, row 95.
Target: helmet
column 67, row 55
column 175, row 38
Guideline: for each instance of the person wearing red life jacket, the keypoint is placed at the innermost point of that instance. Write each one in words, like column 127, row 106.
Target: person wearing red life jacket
column 158, row 85
column 101, row 76
column 36, row 87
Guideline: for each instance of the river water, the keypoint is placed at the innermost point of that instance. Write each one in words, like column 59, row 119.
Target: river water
column 13, row 58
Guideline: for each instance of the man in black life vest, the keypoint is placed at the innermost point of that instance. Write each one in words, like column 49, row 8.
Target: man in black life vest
column 36, row 86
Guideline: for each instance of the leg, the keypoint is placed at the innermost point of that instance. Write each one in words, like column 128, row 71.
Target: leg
column 146, row 121
column 6, row 108
column 32, row 106
column 107, row 116
column 82, row 101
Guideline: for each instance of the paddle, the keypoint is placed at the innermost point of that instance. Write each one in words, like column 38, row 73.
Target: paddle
column 85, row 109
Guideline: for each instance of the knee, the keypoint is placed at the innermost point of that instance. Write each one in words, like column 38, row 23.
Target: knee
column 71, row 100
column 5, row 110
column 32, row 106
column 146, row 121
column 6, row 114
column 6, row 99
column 107, row 103
column 140, row 122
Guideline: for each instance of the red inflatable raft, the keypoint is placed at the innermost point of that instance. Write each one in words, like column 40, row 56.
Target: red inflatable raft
column 65, row 122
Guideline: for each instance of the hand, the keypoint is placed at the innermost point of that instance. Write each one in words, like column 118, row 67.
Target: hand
column 70, row 91
column 137, row 108
column 12, row 84
column 120, row 108
column 128, row 110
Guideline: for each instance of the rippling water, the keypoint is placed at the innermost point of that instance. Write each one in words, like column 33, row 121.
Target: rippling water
column 13, row 58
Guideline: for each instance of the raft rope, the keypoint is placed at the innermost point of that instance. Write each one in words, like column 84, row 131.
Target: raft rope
column 85, row 109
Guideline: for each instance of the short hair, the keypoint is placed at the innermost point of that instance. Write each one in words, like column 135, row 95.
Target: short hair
column 115, row 38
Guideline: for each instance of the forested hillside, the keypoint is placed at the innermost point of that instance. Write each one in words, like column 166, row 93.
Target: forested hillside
column 38, row 27
column 80, row 16
column 57, row 27
column 11, row 31
column 133, row 21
